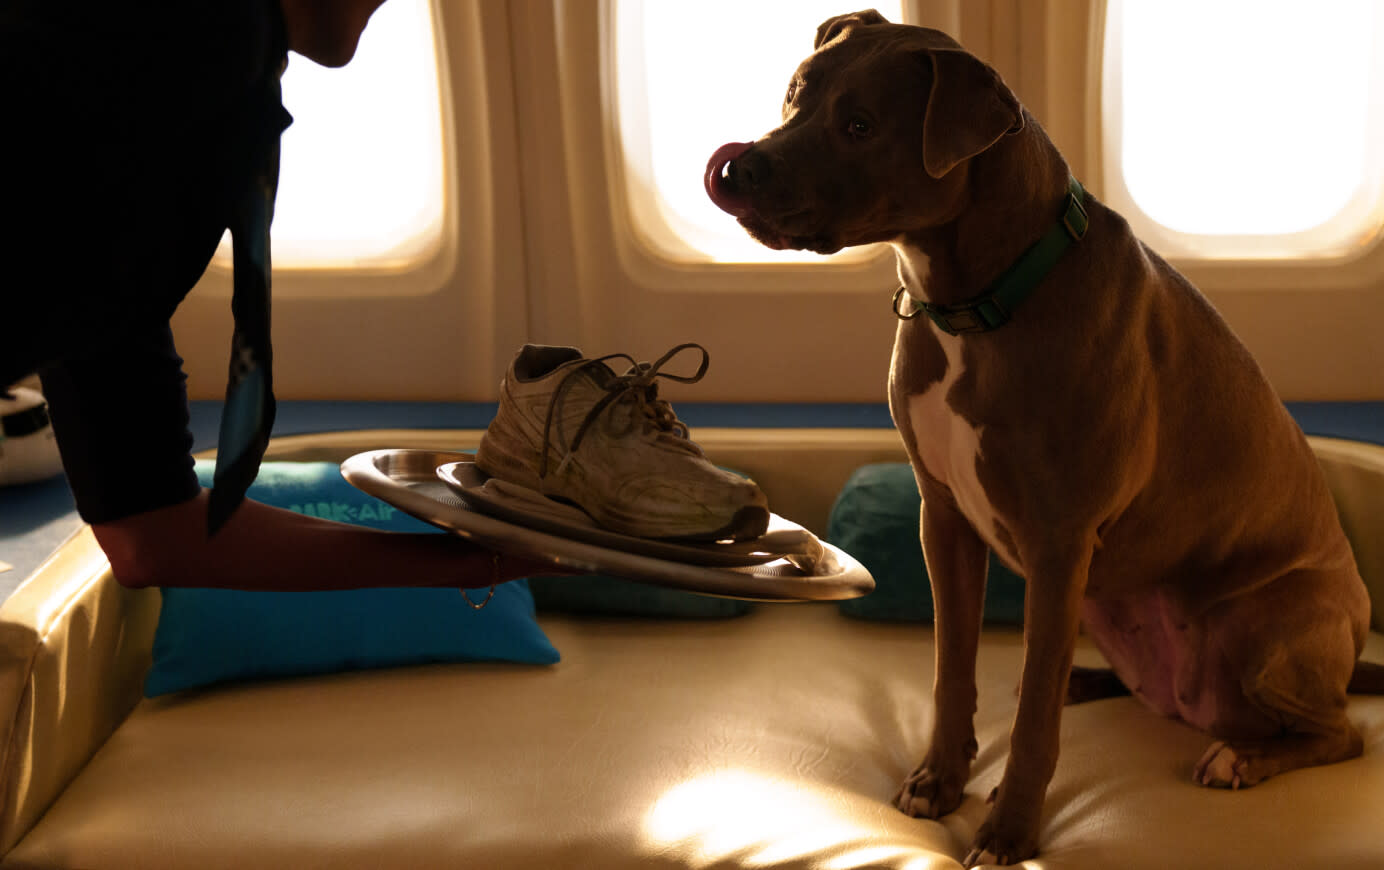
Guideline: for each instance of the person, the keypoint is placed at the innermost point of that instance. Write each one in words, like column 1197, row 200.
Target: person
column 130, row 128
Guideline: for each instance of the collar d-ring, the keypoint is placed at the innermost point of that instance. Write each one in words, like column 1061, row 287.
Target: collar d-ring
column 899, row 294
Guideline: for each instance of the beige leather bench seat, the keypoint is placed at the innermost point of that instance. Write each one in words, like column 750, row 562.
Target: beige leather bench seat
column 772, row 740
column 775, row 740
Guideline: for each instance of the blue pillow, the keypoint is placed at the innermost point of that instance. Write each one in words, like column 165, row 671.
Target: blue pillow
column 209, row 636
column 875, row 519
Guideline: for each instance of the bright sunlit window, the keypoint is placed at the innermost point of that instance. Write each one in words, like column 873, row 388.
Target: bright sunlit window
column 691, row 77
column 361, row 179
column 1248, row 127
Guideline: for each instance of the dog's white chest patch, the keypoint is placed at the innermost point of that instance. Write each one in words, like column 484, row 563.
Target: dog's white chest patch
column 949, row 447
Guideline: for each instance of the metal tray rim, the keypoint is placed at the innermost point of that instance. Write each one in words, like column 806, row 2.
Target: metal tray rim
column 387, row 474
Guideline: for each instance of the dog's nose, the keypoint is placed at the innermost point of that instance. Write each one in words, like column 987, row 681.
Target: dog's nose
column 748, row 172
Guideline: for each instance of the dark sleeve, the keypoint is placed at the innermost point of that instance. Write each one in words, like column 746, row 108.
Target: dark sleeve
column 121, row 419
column 126, row 134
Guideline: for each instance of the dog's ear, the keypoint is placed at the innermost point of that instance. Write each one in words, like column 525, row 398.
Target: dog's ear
column 832, row 27
column 969, row 109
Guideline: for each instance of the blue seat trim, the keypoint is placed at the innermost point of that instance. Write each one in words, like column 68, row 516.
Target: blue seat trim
column 298, row 418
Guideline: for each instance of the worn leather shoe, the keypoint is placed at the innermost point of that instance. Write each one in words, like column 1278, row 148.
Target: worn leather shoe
column 572, row 429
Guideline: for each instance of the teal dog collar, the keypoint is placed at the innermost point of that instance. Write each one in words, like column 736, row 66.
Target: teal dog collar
column 992, row 309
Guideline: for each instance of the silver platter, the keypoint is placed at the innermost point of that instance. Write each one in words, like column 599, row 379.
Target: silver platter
column 408, row 480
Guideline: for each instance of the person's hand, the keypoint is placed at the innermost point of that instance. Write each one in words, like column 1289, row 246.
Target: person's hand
column 263, row 547
column 505, row 568
column 489, row 567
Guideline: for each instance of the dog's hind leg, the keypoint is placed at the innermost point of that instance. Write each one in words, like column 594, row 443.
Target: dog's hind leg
column 1292, row 713
column 1243, row 763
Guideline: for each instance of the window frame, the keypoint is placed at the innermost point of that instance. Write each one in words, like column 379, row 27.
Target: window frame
column 441, row 327
column 420, row 270
column 597, row 285
column 1308, row 323
column 1230, row 262
column 541, row 247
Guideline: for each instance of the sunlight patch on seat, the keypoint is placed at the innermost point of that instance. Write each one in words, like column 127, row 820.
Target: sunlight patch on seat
column 762, row 821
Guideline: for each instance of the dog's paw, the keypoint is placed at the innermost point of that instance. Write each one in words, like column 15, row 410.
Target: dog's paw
column 1003, row 839
column 1225, row 766
column 928, row 793
column 1217, row 767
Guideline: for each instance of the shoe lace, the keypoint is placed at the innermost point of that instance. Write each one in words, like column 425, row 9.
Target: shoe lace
column 638, row 386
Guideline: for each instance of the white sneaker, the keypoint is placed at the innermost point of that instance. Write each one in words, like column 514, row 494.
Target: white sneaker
column 572, row 429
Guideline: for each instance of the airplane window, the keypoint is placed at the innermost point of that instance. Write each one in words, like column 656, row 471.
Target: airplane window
column 1249, row 127
column 361, row 175
column 691, row 77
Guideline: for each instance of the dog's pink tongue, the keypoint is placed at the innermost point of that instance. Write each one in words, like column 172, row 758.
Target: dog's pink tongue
column 719, row 187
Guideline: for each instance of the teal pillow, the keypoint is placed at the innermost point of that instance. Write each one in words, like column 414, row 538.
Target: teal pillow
column 209, row 636
column 875, row 519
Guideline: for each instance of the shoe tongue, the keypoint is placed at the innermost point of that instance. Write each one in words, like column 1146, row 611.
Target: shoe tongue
column 600, row 374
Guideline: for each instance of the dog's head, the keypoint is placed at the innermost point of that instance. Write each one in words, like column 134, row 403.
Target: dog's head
column 879, row 124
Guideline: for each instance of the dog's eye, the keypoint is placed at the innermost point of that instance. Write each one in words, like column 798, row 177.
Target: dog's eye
column 792, row 92
column 859, row 128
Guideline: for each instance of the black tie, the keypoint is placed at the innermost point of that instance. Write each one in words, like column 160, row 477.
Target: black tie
column 248, row 415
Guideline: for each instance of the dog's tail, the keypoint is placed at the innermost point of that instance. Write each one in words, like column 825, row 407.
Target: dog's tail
column 1368, row 679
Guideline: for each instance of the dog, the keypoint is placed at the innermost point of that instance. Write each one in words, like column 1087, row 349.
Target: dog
column 1071, row 402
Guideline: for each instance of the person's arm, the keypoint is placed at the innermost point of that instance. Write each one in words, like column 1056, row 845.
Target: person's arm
column 268, row 548
column 120, row 416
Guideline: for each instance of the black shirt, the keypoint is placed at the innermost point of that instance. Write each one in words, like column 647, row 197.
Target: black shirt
column 129, row 128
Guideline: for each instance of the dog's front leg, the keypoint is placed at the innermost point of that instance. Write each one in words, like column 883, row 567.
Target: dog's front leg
column 956, row 563
column 1052, row 612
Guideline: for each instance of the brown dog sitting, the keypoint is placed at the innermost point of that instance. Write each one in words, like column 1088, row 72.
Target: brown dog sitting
column 1071, row 402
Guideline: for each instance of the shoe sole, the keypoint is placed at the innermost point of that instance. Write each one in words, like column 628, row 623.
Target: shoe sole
column 748, row 522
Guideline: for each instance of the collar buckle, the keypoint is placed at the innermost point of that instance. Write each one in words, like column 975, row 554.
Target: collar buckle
column 1074, row 219
column 980, row 316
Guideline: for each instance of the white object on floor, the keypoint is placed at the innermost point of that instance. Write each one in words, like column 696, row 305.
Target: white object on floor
column 28, row 448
